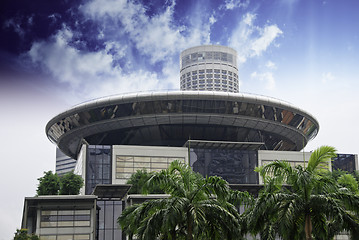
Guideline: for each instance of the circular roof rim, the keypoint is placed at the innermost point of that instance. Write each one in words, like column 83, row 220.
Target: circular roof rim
column 208, row 45
column 126, row 97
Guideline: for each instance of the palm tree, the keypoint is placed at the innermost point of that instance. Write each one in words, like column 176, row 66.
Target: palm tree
column 197, row 208
column 301, row 202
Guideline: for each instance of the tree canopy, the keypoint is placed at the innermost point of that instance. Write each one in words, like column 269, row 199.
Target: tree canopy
column 303, row 202
column 70, row 184
column 21, row 234
column 138, row 181
column 52, row 184
column 49, row 184
column 197, row 208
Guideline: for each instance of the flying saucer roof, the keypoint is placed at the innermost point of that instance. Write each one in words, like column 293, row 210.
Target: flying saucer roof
column 171, row 118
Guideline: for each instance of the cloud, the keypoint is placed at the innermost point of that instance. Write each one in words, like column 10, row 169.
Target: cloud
column 232, row 4
column 266, row 77
column 159, row 37
column 90, row 74
column 271, row 65
column 327, row 77
column 250, row 40
column 267, row 36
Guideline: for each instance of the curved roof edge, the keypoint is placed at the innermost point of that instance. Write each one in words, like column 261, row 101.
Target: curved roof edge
column 168, row 95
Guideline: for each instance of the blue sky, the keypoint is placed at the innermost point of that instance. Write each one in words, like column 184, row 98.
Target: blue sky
column 55, row 54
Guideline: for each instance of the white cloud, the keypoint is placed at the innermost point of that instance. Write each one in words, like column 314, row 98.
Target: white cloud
column 327, row 77
column 212, row 19
column 250, row 40
column 155, row 36
column 79, row 68
column 271, row 65
column 232, row 4
column 266, row 77
column 267, row 36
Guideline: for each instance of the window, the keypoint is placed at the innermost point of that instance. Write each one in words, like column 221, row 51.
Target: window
column 209, row 75
column 224, row 71
column 209, row 70
column 65, row 218
column 194, row 72
column 201, row 71
column 217, row 70
column 126, row 165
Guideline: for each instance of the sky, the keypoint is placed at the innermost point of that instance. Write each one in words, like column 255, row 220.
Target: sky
column 56, row 54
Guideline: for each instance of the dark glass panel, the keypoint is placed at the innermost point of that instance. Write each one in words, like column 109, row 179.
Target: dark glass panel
column 345, row 162
column 98, row 166
column 235, row 166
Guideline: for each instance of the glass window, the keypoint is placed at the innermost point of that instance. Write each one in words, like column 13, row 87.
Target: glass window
column 217, row 70
column 194, row 72
column 201, row 71
column 209, row 70
column 209, row 75
column 81, row 237
column 64, row 237
column 48, row 237
column 224, row 71
column 159, row 159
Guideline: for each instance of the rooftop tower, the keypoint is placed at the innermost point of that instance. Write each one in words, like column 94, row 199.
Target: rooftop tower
column 209, row 68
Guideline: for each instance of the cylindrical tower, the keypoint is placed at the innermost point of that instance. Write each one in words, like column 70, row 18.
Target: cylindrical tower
column 209, row 68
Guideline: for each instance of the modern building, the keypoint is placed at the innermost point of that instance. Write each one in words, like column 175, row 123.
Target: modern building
column 208, row 124
column 64, row 163
column 209, row 68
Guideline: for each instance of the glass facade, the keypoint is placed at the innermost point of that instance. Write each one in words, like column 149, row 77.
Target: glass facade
column 203, row 56
column 235, row 166
column 65, row 218
column 199, row 63
column 344, row 162
column 230, row 108
column 127, row 165
column 74, row 221
column 98, row 166
column 108, row 212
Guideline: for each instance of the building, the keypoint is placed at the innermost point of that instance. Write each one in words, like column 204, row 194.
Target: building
column 209, row 68
column 64, row 163
column 208, row 124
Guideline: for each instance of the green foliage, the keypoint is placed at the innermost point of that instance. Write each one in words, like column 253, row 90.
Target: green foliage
column 139, row 179
column 21, row 234
column 49, row 184
column 52, row 184
column 198, row 208
column 348, row 181
column 70, row 184
column 311, row 204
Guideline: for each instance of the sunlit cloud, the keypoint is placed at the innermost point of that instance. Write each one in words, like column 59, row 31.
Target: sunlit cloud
column 327, row 77
column 267, row 78
column 251, row 40
column 232, row 4
column 271, row 65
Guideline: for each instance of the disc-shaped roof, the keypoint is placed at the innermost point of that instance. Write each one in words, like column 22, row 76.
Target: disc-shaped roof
column 171, row 118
